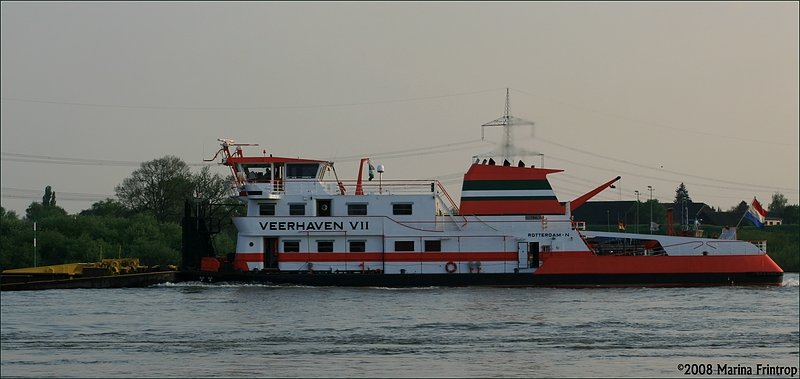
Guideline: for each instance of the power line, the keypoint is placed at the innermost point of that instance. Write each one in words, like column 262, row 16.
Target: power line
column 660, row 179
column 650, row 123
column 435, row 149
column 428, row 150
column 25, row 193
column 233, row 108
column 31, row 158
column 748, row 185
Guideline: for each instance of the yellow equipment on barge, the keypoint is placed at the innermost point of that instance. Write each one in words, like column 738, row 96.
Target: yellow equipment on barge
column 108, row 273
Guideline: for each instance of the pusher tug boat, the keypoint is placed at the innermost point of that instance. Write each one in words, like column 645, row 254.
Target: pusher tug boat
column 305, row 226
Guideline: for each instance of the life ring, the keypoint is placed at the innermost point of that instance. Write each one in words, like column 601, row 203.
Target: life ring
column 324, row 207
column 450, row 267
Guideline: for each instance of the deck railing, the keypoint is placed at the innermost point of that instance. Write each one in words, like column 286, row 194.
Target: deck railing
column 761, row 245
column 383, row 187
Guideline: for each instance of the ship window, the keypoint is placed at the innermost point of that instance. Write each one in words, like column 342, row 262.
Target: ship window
column 433, row 245
column 358, row 246
column 545, row 248
column 258, row 173
column 356, row 209
column 266, row 209
column 325, row 169
column 403, row 245
column 324, row 246
column 401, row 208
column 301, row 170
column 291, row 246
column 297, row 209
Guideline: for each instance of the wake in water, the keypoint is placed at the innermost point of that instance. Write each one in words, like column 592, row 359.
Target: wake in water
column 789, row 280
column 195, row 284
column 221, row 285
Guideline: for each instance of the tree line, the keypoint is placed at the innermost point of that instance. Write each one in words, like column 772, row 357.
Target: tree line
column 144, row 221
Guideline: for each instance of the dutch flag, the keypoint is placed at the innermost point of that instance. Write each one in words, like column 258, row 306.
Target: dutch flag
column 756, row 214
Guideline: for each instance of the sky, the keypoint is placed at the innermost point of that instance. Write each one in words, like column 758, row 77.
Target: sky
column 659, row 93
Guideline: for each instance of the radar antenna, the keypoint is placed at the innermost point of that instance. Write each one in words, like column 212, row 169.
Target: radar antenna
column 225, row 143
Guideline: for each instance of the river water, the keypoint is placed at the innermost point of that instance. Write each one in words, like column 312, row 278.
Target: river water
column 198, row 330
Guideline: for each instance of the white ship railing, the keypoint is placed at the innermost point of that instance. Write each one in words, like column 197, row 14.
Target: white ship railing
column 761, row 245
column 384, row 187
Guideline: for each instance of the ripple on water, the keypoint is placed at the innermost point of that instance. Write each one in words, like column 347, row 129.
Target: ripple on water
column 199, row 329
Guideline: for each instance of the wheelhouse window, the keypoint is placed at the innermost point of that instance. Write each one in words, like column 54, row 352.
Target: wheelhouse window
column 297, row 209
column 301, row 170
column 357, row 209
column 433, row 245
column 325, row 169
column 401, row 208
column 325, row 246
column 258, row 173
column 358, row 246
column 266, row 209
column 291, row 246
column 403, row 245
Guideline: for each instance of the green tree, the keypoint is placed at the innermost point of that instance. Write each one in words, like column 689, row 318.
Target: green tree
column 211, row 187
column 791, row 214
column 37, row 211
column 778, row 203
column 741, row 208
column 50, row 244
column 16, row 241
column 46, row 208
column 681, row 195
column 158, row 187
column 153, row 242
column 107, row 207
column 681, row 204
column 49, row 198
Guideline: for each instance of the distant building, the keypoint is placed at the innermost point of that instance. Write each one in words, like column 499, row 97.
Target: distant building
column 710, row 217
column 773, row 219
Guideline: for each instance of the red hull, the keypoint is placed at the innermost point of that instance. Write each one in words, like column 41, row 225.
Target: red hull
column 562, row 263
column 587, row 263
